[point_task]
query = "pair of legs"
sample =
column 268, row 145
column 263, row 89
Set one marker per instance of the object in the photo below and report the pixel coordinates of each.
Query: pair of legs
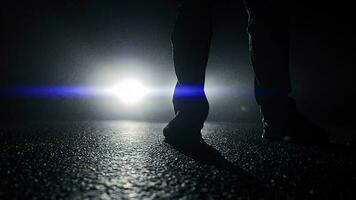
column 268, row 29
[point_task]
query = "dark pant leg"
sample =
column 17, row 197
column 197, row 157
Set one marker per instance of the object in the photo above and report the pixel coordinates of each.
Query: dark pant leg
column 269, row 26
column 191, row 42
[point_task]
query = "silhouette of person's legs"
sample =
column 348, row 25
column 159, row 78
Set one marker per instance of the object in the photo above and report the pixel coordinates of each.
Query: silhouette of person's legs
column 269, row 23
column 191, row 42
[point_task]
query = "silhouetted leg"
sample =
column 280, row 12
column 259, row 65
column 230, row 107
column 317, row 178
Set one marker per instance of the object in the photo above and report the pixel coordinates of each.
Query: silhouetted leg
column 269, row 23
column 191, row 42
column 269, row 46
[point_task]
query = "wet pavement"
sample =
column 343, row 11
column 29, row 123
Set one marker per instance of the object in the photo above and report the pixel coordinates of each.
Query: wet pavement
column 129, row 160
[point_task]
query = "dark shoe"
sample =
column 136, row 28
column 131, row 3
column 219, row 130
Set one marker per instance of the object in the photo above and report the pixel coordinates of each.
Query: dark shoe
column 297, row 129
column 183, row 130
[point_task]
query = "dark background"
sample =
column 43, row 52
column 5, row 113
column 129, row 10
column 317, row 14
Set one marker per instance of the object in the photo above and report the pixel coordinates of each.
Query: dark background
column 67, row 42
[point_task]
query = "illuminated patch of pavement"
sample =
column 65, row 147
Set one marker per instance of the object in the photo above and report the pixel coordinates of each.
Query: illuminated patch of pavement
column 121, row 160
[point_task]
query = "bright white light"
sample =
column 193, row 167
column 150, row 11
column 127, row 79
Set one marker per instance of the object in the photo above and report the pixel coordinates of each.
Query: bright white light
column 130, row 91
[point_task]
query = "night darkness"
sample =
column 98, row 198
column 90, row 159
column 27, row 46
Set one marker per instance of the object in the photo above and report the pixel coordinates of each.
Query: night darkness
column 77, row 42
column 86, row 89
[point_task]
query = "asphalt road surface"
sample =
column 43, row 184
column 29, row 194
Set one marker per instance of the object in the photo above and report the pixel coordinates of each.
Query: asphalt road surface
column 129, row 160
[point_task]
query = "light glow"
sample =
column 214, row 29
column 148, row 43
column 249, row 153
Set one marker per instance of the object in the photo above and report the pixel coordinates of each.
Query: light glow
column 130, row 91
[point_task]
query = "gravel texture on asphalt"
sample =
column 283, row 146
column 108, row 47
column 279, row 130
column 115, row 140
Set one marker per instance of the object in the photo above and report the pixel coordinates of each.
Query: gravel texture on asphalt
column 129, row 160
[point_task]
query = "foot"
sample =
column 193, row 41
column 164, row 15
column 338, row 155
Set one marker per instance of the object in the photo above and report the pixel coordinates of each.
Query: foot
column 182, row 131
column 297, row 129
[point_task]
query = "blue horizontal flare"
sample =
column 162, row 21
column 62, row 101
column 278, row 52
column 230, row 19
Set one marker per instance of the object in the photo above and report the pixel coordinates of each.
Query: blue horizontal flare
column 47, row 91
